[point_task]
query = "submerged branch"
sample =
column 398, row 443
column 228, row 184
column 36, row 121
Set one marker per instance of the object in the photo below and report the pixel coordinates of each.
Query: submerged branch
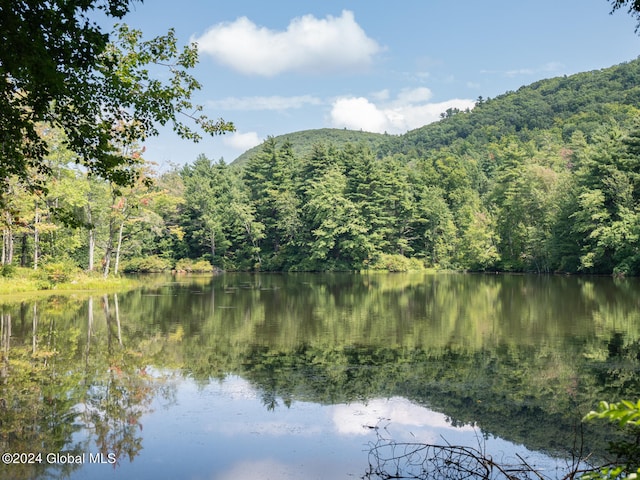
column 389, row 459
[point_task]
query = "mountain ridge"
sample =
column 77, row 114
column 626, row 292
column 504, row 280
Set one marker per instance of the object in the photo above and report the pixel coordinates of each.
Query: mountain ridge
column 538, row 105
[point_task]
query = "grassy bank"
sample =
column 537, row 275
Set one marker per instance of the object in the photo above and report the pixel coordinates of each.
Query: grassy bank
column 58, row 278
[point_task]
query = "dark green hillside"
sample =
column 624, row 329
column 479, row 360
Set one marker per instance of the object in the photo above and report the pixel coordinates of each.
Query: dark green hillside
column 577, row 102
column 573, row 102
column 302, row 142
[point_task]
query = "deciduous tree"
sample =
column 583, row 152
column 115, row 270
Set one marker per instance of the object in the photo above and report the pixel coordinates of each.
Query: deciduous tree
column 58, row 66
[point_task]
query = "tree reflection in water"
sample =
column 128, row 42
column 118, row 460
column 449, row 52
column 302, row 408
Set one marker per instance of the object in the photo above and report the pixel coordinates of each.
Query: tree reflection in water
column 53, row 403
column 519, row 357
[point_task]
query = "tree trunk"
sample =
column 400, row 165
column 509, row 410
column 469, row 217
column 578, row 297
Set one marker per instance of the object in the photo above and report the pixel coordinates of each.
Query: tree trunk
column 9, row 246
column 108, row 251
column 92, row 237
column 118, row 248
column 23, row 251
column 7, row 242
column 106, row 260
column 36, row 238
column 120, row 231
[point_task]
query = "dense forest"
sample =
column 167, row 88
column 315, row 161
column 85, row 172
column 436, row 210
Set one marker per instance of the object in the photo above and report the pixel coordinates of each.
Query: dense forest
column 544, row 179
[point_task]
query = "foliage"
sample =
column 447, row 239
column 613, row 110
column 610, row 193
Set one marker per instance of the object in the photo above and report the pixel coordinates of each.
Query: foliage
column 190, row 266
column 623, row 412
column 59, row 67
column 303, row 142
column 396, row 263
column 60, row 271
column 7, row 271
column 148, row 264
column 626, row 415
column 218, row 220
column 48, row 397
column 545, row 179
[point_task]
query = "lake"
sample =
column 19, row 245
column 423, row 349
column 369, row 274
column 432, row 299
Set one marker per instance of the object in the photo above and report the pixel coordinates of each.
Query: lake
column 312, row 376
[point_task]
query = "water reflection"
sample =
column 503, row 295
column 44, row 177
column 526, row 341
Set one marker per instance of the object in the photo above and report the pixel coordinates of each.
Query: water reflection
column 412, row 421
column 249, row 366
column 221, row 439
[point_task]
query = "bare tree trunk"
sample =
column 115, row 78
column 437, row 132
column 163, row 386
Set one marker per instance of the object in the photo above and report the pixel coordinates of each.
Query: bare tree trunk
column 106, row 260
column 92, row 237
column 108, row 251
column 10, row 247
column 7, row 244
column 118, row 248
column 36, row 238
column 92, row 248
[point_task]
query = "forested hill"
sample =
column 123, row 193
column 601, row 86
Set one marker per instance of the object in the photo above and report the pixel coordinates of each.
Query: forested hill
column 576, row 102
column 544, row 179
column 303, row 141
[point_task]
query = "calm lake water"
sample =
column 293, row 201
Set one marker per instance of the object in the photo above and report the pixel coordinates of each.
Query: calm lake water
column 298, row 376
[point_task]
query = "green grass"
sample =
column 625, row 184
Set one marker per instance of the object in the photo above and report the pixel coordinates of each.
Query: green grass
column 26, row 280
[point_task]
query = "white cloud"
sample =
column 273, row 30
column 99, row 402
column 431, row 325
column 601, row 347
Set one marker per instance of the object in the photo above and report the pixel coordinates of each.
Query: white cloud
column 408, row 110
column 550, row 67
column 381, row 95
column 413, row 116
column 358, row 113
column 275, row 102
column 520, row 71
column 242, row 141
column 546, row 68
column 413, row 95
column 356, row 418
column 309, row 45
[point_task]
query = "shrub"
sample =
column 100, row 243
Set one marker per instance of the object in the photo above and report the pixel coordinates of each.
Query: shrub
column 396, row 263
column 188, row 265
column 150, row 264
column 8, row 271
column 59, row 271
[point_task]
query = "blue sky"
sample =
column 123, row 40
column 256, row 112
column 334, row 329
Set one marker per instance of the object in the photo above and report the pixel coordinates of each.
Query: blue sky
column 278, row 67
